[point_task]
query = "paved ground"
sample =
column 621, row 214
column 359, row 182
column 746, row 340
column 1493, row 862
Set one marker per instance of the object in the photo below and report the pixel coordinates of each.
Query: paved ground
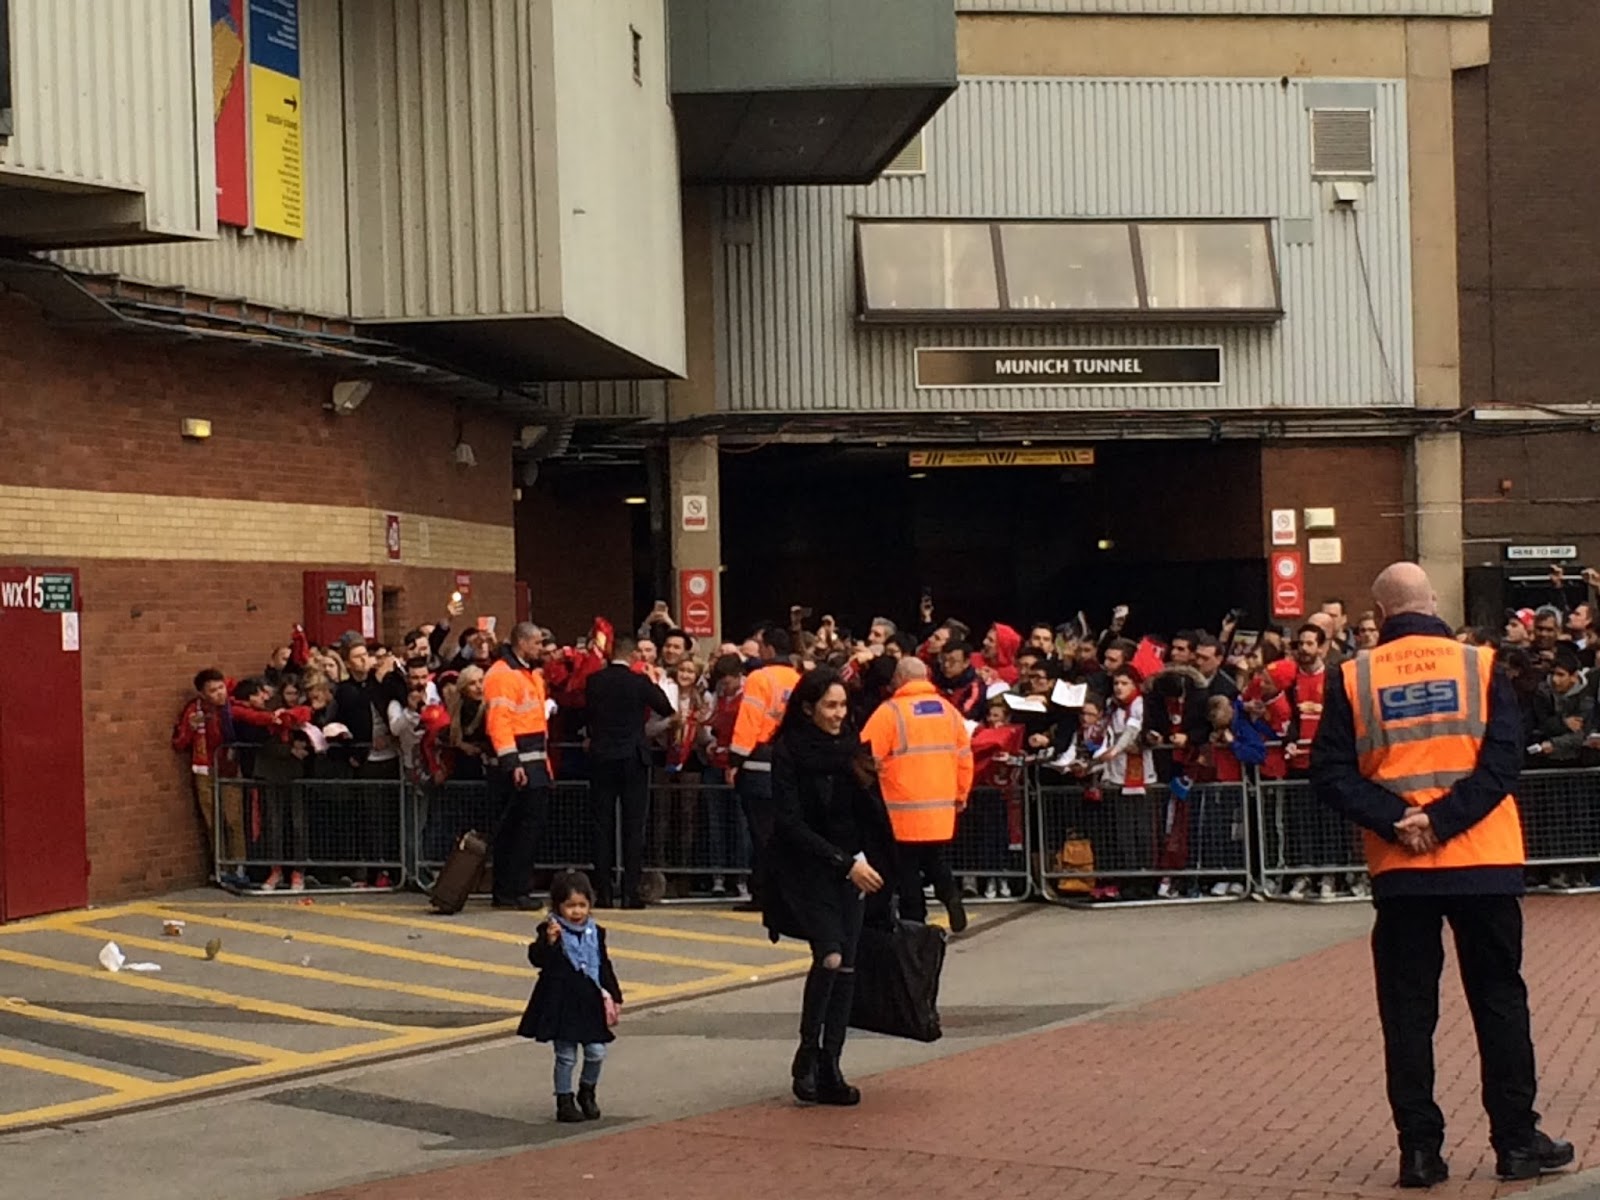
column 681, row 1058
column 300, row 986
column 1268, row 1085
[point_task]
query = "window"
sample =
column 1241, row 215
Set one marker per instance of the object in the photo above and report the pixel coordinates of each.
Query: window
column 1054, row 271
column 1205, row 266
column 1052, row 267
column 923, row 266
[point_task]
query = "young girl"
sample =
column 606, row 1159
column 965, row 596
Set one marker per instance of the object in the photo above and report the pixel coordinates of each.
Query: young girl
column 1128, row 772
column 997, row 788
column 576, row 999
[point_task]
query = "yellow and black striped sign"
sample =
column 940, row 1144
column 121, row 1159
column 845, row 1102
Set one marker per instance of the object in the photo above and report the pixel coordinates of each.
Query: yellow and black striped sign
column 1020, row 456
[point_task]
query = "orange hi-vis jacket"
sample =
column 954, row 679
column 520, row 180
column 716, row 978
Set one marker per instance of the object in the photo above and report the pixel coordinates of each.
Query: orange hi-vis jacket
column 766, row 699
column 1421, row 709
column 924, row 758
column 515, row 722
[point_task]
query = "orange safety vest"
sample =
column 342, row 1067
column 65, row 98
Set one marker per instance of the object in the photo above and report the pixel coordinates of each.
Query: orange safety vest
column 766, row 699
column 1421, row 708
column 924, row 758
column 514, row 719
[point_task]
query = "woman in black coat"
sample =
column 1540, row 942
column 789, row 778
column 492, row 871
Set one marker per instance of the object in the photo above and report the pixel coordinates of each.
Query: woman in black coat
column 826, row 815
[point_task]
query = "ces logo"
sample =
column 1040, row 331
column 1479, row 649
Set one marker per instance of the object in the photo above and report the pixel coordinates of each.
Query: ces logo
column 1408, row 701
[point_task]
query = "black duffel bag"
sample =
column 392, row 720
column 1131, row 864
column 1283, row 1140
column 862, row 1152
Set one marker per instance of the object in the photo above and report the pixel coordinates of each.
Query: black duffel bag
column 897, row 980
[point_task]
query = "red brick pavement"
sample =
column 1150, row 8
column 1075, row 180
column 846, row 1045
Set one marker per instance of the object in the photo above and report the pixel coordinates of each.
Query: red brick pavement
column 1266, row 1086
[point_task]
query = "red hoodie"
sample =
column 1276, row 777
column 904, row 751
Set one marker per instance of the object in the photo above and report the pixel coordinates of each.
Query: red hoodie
column 1007, row 641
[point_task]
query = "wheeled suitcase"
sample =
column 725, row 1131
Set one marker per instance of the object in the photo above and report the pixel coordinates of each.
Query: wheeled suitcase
column 460, row 873
column 897, row 980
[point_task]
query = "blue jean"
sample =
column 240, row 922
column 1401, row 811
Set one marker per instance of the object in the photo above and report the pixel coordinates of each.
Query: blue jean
column 594, row 1054
column 723, row 817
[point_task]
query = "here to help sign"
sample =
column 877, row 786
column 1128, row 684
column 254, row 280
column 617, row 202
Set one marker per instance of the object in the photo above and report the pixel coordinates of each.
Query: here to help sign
column 1288, row 583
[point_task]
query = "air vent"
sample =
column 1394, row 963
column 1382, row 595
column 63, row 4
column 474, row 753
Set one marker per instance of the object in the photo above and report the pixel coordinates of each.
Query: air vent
column 909, row 161
column 1341, row 143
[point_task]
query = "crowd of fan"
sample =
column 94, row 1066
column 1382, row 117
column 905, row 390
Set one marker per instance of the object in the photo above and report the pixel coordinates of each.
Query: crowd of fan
column 1098, row 710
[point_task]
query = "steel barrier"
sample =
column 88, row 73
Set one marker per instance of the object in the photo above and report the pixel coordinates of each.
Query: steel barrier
column 343, row 827
column 993, row 844
column 1560, row 811
column 1161, row 846
column 1308, row 851
column 443, row 812
column 697, row 843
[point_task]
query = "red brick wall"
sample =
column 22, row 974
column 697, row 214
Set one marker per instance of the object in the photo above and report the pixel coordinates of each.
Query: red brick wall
column 1364, row 483
column 101, row 412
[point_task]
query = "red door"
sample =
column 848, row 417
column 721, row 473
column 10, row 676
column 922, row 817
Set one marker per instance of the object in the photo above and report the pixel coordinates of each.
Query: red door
column 44, row 854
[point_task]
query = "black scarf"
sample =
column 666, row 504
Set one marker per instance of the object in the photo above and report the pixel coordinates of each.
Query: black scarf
column 814, row 750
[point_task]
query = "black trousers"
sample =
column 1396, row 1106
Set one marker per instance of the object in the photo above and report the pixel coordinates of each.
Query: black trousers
column 615, row 783
column 1408, row 955
column 755, row 796
column 918, row 863
column 830, row 990
column 516, row 843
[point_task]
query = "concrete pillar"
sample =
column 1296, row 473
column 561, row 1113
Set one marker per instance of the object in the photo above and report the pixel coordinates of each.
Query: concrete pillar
column 693, row 472
column 1435, row 487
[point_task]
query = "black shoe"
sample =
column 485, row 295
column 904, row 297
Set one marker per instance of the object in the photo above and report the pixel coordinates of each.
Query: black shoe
column 831, row 1087
column 567, row 1110
column 1544, row 1157
column 804, row 1071
column 1422, row 1169
column 958, row 911
column 633, row 902
column 589, row 1106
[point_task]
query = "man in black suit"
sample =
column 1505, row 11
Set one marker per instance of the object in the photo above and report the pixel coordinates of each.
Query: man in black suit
column 618, row 702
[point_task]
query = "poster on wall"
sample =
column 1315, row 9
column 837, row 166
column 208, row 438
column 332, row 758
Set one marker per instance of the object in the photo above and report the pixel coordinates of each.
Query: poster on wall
column 228, row 112
column 278, row 165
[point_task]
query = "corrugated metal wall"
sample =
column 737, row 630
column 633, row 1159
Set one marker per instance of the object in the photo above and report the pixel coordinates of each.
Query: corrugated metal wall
column 112, row 93
column 311, row 275
column 444, row 155
column 1246, row 8
column 634, row 400
column 787, row 337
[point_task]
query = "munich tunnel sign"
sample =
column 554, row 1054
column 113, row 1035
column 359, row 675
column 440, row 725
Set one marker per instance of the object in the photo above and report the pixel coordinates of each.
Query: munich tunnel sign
column 1069, row 456
column 1070, row 366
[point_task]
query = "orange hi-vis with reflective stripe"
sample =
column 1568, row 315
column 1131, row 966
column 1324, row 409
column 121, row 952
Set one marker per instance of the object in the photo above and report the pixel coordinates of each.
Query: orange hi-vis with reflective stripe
column 1421, row 709
column 924, row 758
column 515, row 721
column 766, row 698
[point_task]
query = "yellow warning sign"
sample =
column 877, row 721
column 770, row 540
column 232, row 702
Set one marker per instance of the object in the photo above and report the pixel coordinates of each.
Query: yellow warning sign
column 1021, row 456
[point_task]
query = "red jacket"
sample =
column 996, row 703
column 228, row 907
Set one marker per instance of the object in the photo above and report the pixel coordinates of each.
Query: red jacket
column 201, row 745
column 990, row 745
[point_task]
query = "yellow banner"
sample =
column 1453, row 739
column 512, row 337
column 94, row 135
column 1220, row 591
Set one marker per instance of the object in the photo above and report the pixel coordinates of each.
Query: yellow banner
column 1020, row 457
column 279, row 174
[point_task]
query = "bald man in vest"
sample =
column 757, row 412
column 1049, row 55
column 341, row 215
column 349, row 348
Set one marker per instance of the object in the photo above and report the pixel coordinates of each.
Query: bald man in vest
column 1421, row 745
column 923, row 754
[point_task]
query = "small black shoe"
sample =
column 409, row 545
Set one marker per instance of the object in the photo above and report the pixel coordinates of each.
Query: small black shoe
column 567, row 1110
column 1422, row 1169
column 587, row 1104
column 804, row 1071
column 1544, row 1157
column 831, row 1086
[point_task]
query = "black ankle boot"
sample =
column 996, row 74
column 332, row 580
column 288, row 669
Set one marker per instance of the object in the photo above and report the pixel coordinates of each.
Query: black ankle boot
column 804, row 1071
column 587, row 1104
column 831, row 1086
column 567, row 1110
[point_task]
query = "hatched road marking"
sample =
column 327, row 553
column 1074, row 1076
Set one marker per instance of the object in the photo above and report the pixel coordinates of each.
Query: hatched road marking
column 54, row 986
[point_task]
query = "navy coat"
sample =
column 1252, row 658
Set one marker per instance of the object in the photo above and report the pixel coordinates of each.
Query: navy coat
column 565, row 1005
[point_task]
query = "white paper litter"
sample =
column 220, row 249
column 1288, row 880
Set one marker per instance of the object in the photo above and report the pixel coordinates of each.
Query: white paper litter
column 113, row 959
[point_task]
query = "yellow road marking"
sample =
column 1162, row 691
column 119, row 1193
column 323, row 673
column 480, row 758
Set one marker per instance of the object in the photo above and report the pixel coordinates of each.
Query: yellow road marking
column 125, row 1085
column 56, row 920
column 686, row 935
column 294, row 970
column 151, row 1032
column 179, row 1088
column 293, row 1012
column 517, row 939
column 343, row 943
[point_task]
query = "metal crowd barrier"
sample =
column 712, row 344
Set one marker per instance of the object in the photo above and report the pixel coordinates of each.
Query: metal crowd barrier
column 697, row 843
column 1308, row 851
column 1560, row 811
column 442, row 813
column 344, row 825
column 1098, row 844
column 993, row 847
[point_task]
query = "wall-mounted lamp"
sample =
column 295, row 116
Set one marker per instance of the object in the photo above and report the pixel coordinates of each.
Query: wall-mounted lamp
column 636, row 501
column 196, row 428
column 348, row 395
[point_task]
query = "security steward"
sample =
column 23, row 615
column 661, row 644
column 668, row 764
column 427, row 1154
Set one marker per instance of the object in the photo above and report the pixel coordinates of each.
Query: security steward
column 923, row 754
column 519, row 778
column 1422, row 746
column 766, row 698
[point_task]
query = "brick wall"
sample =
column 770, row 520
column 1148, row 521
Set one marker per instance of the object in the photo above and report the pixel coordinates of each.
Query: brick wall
column 94, row 418
column 1554, row 496
column 1364, row 482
